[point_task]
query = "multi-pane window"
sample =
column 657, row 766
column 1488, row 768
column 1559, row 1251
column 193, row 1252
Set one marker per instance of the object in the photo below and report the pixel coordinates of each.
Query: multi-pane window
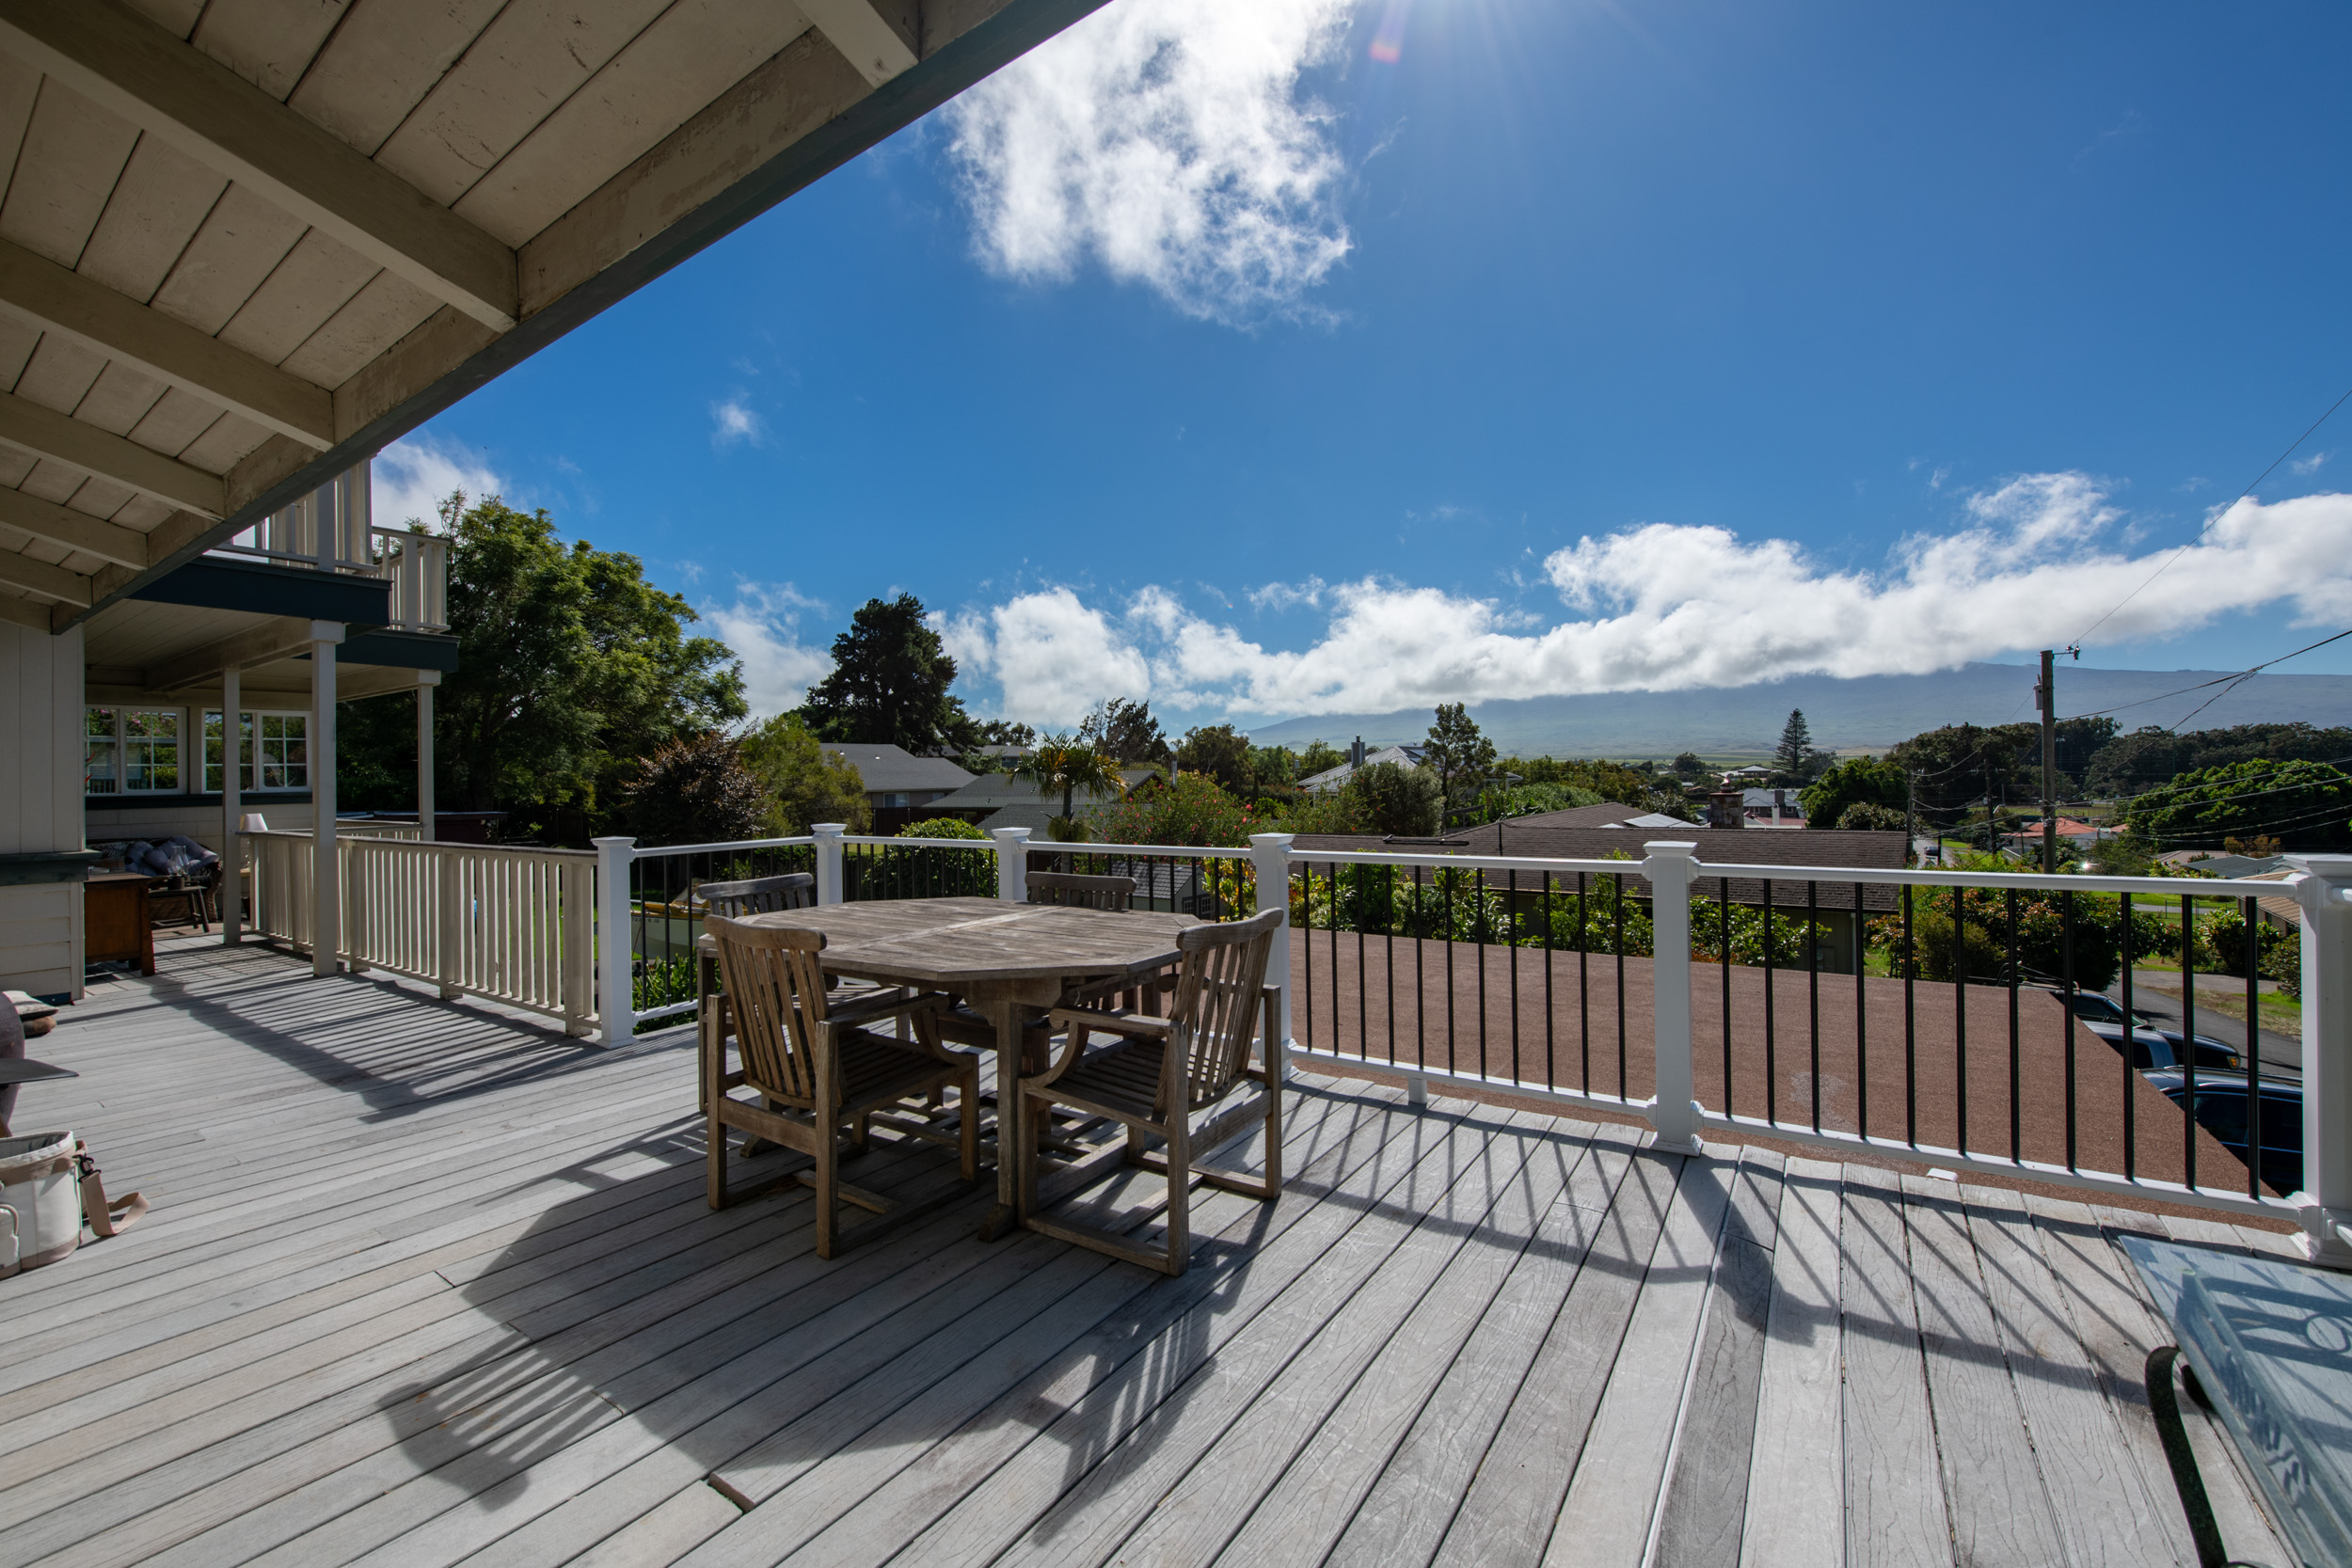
column 272, row 750
column 130, row 750
column 102, row 750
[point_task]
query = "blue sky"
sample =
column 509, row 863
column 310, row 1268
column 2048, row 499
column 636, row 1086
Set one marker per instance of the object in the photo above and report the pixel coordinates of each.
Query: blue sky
column 1581, row 346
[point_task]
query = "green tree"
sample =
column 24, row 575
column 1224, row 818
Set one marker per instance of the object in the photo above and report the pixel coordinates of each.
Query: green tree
column 2301, row 803
column 889, row 684
column 1688, row 765
column 1189, row 810
column 1127, row 730
column 1856, row 781
column 1319, row 758
column 571, row 669
column 1224, row 754
column 696, row 790
column 1070, row 764
column 803, row 784
column 1401, row 801
column 1796, row 744
column 1870, row 815
column 1460, row 756
column 1954, row 767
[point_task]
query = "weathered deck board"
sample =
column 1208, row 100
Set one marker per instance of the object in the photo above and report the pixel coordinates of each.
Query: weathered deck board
column 427, row 1285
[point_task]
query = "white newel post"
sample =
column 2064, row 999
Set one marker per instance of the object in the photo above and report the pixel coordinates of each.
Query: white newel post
column 1013, row 863
column 2325, row 891
column 1270, row 856
column 828, row 835
column 616, row 946
column 1674, row 1111
column 232, row 783
column 325, row 884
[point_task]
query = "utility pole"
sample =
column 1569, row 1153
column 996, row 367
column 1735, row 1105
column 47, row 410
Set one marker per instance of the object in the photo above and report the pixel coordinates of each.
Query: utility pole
column 2047, row 695
column 1992, row 815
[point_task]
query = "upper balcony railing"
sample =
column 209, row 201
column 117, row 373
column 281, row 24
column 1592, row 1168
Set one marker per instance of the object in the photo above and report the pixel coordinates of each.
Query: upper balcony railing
column 331, row 531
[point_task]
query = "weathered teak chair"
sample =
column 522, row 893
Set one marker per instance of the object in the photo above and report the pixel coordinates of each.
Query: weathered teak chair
column 1164, row 1072
column 795, row 889
column 820, row 1066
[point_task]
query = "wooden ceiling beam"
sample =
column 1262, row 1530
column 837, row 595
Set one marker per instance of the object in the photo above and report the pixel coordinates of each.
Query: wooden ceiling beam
column 39, row 576
column 122, row 61
column 878, row 37
column 49, row 298
column 281, row 636
column 79, row 530
column 46, row 432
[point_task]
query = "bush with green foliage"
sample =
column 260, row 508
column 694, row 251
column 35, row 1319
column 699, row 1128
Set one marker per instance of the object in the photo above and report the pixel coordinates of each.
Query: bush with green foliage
column 1222, row 753
column 921, row 871
column 2306, row 804
column 1527, row 800
column 1981, row 946
column 1871, row 817
column 1855, row 782
column 2277, row 953
column 1396, row 800
column 803, row 783
column 1189, row 809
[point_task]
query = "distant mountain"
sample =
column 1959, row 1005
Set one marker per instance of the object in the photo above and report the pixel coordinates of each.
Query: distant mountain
column 1872, row 710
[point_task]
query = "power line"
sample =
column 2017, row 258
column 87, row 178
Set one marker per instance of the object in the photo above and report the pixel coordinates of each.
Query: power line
column 2232, row 679
column 2215, row 517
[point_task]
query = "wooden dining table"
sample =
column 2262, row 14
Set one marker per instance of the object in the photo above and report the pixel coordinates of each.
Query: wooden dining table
column 1004, row 961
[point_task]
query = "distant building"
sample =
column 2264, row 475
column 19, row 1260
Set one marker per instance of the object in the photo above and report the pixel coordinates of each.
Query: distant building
column 1333, row 780
column 899, row 785
column 995, row 800
column 1771, row 808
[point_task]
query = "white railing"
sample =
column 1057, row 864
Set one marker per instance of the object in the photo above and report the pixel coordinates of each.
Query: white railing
column 512, row 926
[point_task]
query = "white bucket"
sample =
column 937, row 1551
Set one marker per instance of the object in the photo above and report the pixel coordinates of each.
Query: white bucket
column 38, row 1185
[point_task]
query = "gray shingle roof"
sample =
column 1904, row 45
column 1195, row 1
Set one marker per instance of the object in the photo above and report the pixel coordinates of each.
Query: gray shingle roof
column 893, row 768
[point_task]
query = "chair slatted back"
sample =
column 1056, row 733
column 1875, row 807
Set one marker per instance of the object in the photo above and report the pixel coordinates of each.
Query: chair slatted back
column 1090, row 893
column 776, row 987
column 1217, row 991
column 795, row 889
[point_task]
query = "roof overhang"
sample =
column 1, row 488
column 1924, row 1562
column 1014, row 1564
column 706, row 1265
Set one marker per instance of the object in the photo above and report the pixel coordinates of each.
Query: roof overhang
column 244, row 247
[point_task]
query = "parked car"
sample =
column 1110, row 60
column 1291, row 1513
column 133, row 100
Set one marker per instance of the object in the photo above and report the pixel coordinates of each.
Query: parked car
column 2168, row 1048
column 2093, row 1007
column 2221, row 1111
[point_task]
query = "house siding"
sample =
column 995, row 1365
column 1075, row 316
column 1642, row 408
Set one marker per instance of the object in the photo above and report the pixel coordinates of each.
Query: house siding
column 40, row 807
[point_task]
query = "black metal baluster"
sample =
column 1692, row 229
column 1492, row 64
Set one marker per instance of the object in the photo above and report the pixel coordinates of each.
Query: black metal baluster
column 1420, row 978
column 1389, row 942
column 1511, row 937
column 1772, row 1043
column 2188, row 1037
column 1911, row 1029
column 2250, row 912
column 1306, row 944
column 1812, row 989
column 1617, row 878
column 1552, row 1072
column 1960, row 1015
column 1446, row 883
column 1722, row 934
column 1363, row 1001
column 2066, row 954
column 1583, row 990
column 1478, row 892
column 2130, row 948
column 2016, row 1130
column 1861, row 1020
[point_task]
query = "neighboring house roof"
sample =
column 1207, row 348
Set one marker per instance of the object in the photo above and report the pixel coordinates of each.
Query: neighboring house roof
column 1822, row 846
column 995, row 791
column 1033, row 815
column 1753, row 771
column 2281, row 908
column 1754, row 800
column 1654, row 819
column 1332, row 778
column 891, row 770
column 1605, row 814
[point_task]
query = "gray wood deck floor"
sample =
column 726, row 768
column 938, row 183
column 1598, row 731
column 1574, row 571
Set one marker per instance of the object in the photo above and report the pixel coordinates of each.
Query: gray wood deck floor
column 426, row 1286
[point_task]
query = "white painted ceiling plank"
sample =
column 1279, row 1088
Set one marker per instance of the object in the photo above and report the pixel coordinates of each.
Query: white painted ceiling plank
column 118, row 400
column 74, row 152
column 242, row 240
column 693, row 53
column 382, row 62
column 154, row 212
column 44, row 432
column 64, row 526
column 267, row 43
column 378, row 316
column 174, row 424
column 301, row 295
column 19, row 89
column 172, row 89
column 39, row 576
column 64, row 303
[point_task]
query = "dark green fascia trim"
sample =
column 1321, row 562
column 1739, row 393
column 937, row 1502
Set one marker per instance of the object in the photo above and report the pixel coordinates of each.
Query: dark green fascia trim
column 251, row 799
column 1020, row 26
column 399, row 650
column 258, row 588
column 46, row 865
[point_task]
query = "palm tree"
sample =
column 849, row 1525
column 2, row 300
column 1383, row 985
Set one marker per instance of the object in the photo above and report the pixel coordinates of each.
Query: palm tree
column 1069, row 763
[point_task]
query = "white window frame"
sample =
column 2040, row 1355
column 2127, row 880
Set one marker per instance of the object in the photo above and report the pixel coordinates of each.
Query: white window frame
column 120, row 743
column 253, row 743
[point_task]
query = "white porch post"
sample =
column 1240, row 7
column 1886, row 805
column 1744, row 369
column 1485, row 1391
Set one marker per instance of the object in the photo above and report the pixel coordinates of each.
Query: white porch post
column 1674, row 1111
column 2325, row 893
column 231, row 785
column 828, row 836
column 426, row 680
column 1013, row 863
column 616, row 947
column 1270, row 856
column 325, row 885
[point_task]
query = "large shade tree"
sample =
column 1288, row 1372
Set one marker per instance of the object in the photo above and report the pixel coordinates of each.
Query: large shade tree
column 889, row 684
column 1458, row 754
column 2304, row 805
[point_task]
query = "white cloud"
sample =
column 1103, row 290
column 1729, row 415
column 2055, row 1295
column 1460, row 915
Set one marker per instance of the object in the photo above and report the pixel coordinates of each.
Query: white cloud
column 732, row 421
column 1663, row 607
column 2310, row 464
column 762, row 625
column 1289, row 596
column 410, row 478
column 1169, row 141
